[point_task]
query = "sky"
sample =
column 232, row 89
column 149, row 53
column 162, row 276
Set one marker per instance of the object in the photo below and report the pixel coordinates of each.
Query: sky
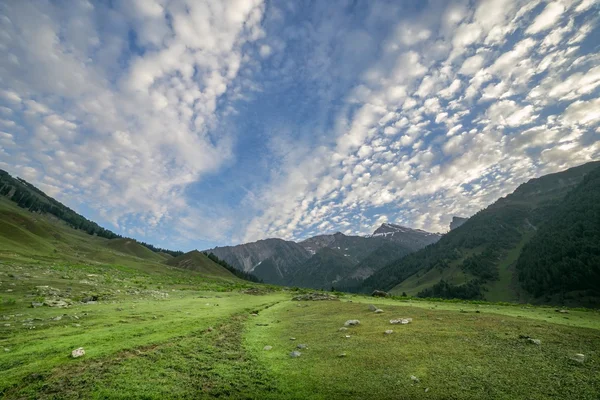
column 196, row 123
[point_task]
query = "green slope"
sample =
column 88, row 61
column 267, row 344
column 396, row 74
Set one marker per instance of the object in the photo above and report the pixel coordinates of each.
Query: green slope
column 131, row 247
column 484, row 250
column 198, row 262
column 323, row 269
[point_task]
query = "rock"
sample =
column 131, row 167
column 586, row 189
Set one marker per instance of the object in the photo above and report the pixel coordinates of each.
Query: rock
column 6, row 349
column 343, row 328
column 562, row 311
column 378, row 311
column 389, row 332
column 78, row 352
column 426, row 390
column 7, row 325
column 302, row 346
column 292, row 338
column 342, row 355
column 254, row 315
column 267, row 348
column 57, row 318
column 57, row 303
column 400, row 321
column 347, row 336
column 379, row 293
column 295, row 354
column 414, row 379
column 372, row 307
column 534, row 341
column 77, row 325
column 315, row 297
column 580, row 358
column 36, row 304
column 352, row 322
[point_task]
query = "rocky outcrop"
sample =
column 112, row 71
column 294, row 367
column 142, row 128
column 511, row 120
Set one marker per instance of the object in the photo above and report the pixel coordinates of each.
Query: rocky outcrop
column 457, row 221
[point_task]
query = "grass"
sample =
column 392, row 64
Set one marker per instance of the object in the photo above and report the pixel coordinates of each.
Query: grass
column 454, row 355
column 154, row 331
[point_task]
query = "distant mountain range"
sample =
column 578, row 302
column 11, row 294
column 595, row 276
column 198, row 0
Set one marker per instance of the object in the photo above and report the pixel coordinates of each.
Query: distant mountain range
column 324, row 261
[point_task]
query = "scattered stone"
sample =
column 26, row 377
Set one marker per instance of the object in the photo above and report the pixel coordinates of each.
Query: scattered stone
column 379, row 293
column 372, row 307
column 400, row 321
column 267, row 348
column 57, row 303
column 292, row 338
column 302, row 346
column 414, row 379
column 347, row 336
column 315, row 297
column 580, row 358
column 389, row 332
column 6, row 349
column 562, row 311
column 295, row 354
column 342, row 355
column 352, row 322
column 426, row 390
column 254, row 315
column 57, row 318
column 537, row 342
column 35, row 304
column 378, row 311
column 77, row 325
column 343, row 328
column 78, row 352
column 7, row 325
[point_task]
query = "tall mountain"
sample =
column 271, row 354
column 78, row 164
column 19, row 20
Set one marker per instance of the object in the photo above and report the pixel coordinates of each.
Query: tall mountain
column 413, row 239
column 283, row 262
column 457, row 221
column 279, row 257
column 479, row 258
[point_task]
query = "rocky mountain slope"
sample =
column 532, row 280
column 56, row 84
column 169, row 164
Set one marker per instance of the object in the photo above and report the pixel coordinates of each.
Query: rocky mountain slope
column 413, row 239
column 479, row 258
column 353, row 257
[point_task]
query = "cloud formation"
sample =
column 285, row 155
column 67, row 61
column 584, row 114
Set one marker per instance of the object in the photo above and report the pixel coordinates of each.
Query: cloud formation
column 195, row 123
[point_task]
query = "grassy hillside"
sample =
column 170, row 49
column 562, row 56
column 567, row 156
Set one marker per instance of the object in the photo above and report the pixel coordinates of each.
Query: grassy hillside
column 482, row 253
column 131, row 247
column 196, row 261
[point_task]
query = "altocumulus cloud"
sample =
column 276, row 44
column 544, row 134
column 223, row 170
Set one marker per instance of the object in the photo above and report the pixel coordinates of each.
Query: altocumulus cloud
column 193, row 123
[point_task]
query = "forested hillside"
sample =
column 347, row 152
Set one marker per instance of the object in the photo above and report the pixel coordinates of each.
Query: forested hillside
column 564, row 255
column 481, row 253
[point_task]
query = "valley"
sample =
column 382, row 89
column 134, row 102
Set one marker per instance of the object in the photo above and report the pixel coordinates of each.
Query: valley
column 155, row 323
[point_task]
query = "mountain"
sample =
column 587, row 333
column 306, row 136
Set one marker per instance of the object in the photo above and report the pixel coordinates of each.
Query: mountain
column 355, row 248
column 322, row 270
column 282, row 262
column 457, row 221
column 279, row 257
column 479, row 258
column 562, row 260
column 413, row 239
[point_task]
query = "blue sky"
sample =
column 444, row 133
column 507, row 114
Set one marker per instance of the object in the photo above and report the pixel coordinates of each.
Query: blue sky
column 190, row 124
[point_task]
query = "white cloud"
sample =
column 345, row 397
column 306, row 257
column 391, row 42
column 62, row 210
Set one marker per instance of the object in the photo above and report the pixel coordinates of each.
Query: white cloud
column 583, row 112
column 547, row 18
column 508, row 112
